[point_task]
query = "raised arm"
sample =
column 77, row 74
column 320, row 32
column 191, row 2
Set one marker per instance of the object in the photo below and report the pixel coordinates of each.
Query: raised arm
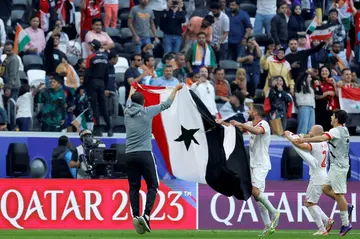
column 303, row 146
column 254, row 130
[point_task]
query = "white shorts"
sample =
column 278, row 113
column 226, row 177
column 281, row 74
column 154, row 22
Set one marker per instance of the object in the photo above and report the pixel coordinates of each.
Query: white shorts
column 337, row 180
column 258, row 176
column 313, row 192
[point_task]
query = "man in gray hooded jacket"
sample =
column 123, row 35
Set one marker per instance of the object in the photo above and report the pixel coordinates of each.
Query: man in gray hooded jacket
column 139, row 157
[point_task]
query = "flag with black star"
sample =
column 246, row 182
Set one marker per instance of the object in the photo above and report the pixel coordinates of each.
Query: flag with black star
column 194, row 147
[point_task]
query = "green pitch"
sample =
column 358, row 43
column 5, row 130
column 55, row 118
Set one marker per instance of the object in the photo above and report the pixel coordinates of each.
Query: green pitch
column 42, row 234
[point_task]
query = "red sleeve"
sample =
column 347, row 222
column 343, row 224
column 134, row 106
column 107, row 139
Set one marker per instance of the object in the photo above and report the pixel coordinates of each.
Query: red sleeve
column 310, row 146
column 328, row 135
column 260, row 126
column 88, row 60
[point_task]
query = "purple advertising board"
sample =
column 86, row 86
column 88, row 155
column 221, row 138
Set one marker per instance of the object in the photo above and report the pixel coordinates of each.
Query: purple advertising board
column 216, row 211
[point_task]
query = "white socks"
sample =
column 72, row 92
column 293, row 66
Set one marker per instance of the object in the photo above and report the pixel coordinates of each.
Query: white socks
column 267, row 204
column 264, row 214
column 344, row 218
column 323, row 216
column 315, row 213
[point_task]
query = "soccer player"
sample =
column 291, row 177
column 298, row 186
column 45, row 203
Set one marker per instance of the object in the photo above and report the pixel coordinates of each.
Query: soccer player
column 335, row 185
column 260, row 164
column 317, row 161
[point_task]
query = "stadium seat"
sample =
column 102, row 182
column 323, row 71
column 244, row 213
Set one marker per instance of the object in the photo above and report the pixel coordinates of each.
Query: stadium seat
column 32, row 62
column 126, row 35
column 84, row 50
column 130, row 47
column 119, row 48
column 123, row 15
column 21, row 66
column 122, row 99
column 229, row 66
column 120, row 76
column 291, row 164
column 249, row 8
column 262, row 39
column 16, row 17
column 123, row 4
column 114, row 34
column 35, row 77
column 230, row 77
column 20, row 4
column 23, row 77
column 122, row 65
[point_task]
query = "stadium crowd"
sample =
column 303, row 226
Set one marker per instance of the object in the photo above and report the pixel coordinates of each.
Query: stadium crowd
column 231, row 53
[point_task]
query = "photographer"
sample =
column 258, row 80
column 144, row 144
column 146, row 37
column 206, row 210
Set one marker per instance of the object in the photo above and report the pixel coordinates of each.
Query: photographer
column 171, row 24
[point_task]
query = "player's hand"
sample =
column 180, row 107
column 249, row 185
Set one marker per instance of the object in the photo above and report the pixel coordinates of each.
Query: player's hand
column 287, row 133
column 219, row 121
column 299, row 140
column 235, row 123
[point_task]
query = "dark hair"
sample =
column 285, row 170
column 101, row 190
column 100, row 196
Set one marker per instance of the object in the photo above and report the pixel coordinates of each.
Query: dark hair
column 259, row 109
column 334, row 10
column 192, row 74
column 210, row 19
column 282, row 3
column 235, row 1
column 293, row 39
column 201, row 33
column 34, row 16
column 168, row 66
column 63, row 140
column 336, row 43
column 137, row 98
column 9, row 43
column 215, row 5
column 147, row 57
column 320, row 77
column 345, row 69
column 341, row 116
column 285, row 87
column 218, row 69
column 25, row 88
column 132, row 58
column 302, row 84
column 95, row 20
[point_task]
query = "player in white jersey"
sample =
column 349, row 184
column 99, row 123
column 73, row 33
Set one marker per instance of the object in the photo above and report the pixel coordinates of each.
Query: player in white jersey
column 316, row 155
column 260, row 136
column 335, row 185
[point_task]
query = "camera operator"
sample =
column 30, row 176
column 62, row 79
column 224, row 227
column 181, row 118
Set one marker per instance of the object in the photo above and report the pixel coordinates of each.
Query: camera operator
column 63, row 152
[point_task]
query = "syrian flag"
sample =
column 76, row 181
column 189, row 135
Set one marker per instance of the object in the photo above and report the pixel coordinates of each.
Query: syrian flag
column 350, row 100
column 194, row 147
column 321, row 33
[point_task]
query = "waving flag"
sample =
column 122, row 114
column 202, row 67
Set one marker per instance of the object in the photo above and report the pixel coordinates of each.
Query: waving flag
column 350, row 100
column 313, row 25
column 321, row 33
column 21, row 39
column 197, row 149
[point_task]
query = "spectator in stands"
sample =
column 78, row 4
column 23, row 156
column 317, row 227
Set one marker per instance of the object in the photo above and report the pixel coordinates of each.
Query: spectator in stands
column 205, row 91
column 346, row 80
column 296, row 24
column 158, row 7
column 250, row 59
column 64, row 39
column 37, row 38
column 11, row 74
column 111, row 84
column 2, row 35
column 167, row 79
column 140, row 22
column 240, row 29
column 171, row 24
column 222, row 87
column 338, row 29
column 235, row 109
column 180, row 71
column 96, row 78
column 324, row 93
column 53, row 55
column 319, row 58
column 24, row 106
column 53, row 112
column 195, row 26
column 279, row 99
column 279, row 27
column 148, row 69
column 240, row 82
column 200, row 54
column 339, row 54
column 278, row 66
column 3, row 119
column 6, row 7
column 305, row 100
column 269, row 51
column 98, row 34
column 90, row 9
column 266, row 10
column 80, row 66
column 221, row 28
column 224, row 8
column 6, row 96
column 132, row 74
column 192, row 78
column 82, row 105
column 199, row 10
column 354, row 78
column 111, row 12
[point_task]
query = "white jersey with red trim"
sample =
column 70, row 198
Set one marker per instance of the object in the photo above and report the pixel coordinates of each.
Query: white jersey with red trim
column 259, row 147
column 339, row 141
column 320, row 152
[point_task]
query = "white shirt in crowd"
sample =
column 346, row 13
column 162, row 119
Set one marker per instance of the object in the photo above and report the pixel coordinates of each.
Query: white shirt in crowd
column 157, row 5
column 2, row 32
column 320, row 152
column 24, row 106
column 206, row 92
column 266, row 7
column 220, row 26
column 259, row 147
column 339, row 147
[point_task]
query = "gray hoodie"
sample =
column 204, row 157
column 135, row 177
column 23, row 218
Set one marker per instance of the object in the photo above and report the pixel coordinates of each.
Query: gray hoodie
column 138, row 124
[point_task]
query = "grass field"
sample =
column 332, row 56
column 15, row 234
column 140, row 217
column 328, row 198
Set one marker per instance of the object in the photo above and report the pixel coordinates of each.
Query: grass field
column 36, row 234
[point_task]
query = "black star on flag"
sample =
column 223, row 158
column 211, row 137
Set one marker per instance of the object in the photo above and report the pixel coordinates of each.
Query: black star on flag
column 187, row 135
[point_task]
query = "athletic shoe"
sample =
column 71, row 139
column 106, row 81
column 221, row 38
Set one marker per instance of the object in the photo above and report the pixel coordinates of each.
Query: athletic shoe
column 329, row 225
column 275, row 220
column 321, row 233
column 350, row 209
column 139, row 229
column 345, row 229
column 267, row 232
column 145, row 223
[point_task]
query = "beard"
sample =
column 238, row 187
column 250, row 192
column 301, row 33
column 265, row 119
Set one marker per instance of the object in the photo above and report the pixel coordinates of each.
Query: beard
column 217, row 15
column 250, row 118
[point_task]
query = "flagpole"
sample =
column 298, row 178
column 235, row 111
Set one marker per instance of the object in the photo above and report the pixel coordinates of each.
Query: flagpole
column 80, row 114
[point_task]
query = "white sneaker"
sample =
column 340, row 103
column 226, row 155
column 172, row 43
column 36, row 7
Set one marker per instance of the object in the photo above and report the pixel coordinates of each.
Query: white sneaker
column 321, row 233
column 139, row 229
column 275, row 219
